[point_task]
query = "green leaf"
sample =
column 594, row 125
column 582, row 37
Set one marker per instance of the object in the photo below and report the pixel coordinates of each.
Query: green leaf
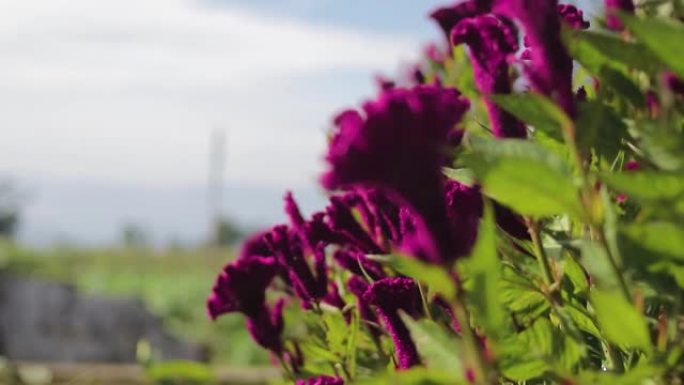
column 596, row 51
column 647, row 186
column 535, row 110
column 416, row 376
column 576, row 275
column 485, row 274
column 663, row 238
column 438, row 349
column 461, row 175
column 524, row 176
column 621, row 323
column 436, row 277
column 663, row 37
column 599, row 128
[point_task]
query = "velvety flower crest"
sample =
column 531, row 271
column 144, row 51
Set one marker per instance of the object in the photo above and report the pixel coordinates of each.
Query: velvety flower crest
column 390, row 296
column 448, row 17
column 550, row 68
column 370, row 150
column 612, row 20
column 241, row 287
column 573, row 16
column 492, row 41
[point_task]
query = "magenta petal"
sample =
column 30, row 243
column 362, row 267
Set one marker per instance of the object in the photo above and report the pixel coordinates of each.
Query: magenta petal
column 389, row 296
column 492, row 41
column 241, row 287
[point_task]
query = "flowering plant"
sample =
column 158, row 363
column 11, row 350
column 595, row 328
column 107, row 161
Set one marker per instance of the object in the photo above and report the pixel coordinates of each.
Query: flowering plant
column 511, row 214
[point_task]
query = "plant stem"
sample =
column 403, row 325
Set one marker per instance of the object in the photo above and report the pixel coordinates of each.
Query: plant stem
column 539, row 252
column 473, row 349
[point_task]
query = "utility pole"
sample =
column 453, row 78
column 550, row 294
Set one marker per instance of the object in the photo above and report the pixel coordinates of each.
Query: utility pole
column 217, row 161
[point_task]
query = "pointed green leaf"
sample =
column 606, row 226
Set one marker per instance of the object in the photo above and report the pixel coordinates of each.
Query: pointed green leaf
column 535, row 110
column 663, row 37
column 621, row 323
column 524, row 176
column 438, row 348
column 663, row 238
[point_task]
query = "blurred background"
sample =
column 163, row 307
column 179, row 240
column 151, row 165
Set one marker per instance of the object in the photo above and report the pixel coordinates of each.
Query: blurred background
column 142, row 139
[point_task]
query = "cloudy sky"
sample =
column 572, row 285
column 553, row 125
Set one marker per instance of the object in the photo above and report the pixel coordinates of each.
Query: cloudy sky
column 107, row 106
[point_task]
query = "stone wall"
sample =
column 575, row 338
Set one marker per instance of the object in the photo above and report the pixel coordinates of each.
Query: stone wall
column 52, row 322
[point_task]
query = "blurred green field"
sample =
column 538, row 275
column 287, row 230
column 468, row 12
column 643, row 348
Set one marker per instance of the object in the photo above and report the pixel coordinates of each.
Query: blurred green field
column 174, row 284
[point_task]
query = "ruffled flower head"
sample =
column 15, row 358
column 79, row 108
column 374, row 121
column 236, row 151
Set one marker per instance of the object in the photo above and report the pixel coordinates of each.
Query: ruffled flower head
column 673, row 83
column 241, row 287
column 448, row 17
column 464, row 209
column 550, row 68
column 492, row 41
column 573, row 16
column 266, row 327
column 612, row 20
column 390, row 296
column 398, row 145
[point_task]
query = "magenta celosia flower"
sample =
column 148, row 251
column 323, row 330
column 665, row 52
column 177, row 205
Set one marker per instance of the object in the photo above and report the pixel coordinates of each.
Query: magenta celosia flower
column 390, row 296
column 241, row 287
column 674, row 83
column 492, row 40
column 612, row 20
column 289, row 252
column 315, row 233
column 449, row 17
column 333, row 297
column 550, row 68
column 322, row 380
column 397, row 145
column 358, row 286
column 379, row 213
column 464, row 209
column 266, row 327
column 357, row 263
column 510, row 222
column 254, row 245
column 342, row 221
column 652, row 103
column 573, row 16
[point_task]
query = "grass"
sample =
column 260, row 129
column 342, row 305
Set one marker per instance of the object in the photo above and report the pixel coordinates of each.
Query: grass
column 174, row 284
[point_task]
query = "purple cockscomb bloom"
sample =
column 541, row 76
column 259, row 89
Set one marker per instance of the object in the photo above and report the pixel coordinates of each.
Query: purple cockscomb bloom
column 358, row 286
column 266, row 327
column 492, row 41
column 464, row 209
column 255, row 245
column 550, row 68
column 573, row 16
column 673, row 83
column 315, row 232
column 357, row 263
column 343, row 223
column 333, row 298
column 289, row 252
column 241, row 287
column 448, row 17
column 397, row 145
column 322, row 380
column 390, row 296
column 612, row 20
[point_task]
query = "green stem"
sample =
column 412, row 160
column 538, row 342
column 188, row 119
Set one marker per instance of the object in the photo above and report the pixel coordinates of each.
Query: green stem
column 539, row 252
column 474, row 351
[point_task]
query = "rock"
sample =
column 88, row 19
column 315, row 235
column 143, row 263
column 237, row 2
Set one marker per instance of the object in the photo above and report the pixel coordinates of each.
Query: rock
column 52, row 322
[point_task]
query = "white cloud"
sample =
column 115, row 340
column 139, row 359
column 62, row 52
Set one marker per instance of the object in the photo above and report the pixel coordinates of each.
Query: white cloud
column 128, row 90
